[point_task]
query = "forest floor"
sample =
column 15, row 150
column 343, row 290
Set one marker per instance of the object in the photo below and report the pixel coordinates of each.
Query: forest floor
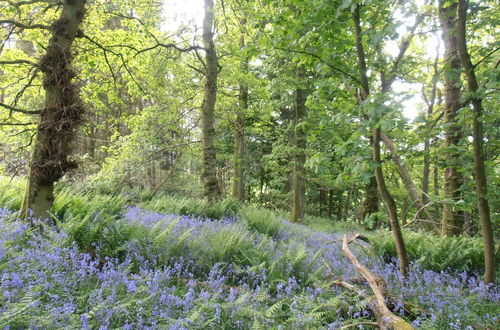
column 133, row 268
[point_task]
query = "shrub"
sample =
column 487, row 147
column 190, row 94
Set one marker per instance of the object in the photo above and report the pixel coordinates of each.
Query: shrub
column 192, row 206
column 11, row 192
column 434, row 252
column 261, row 220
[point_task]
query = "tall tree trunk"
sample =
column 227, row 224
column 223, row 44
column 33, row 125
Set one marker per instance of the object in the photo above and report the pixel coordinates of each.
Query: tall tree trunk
column 209, row 175
column 239, row 134
column 427, row 144
column 477, row 125
column 61, row 115
column 299, row 189
column 453, row 179
column 371, row 200
column 387, row 81
column 389, row 203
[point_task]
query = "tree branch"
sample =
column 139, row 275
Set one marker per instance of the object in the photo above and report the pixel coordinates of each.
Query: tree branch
column 27, row 112
column 301, row 51
column 24, row 26
column 14, row 62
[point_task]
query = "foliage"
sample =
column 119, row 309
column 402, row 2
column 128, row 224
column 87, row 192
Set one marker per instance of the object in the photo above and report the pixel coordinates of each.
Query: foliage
column 434, row 252
column 192, row 206
column 49, row 283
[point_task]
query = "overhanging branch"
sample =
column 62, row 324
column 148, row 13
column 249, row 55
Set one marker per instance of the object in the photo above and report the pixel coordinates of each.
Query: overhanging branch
column 26, row 112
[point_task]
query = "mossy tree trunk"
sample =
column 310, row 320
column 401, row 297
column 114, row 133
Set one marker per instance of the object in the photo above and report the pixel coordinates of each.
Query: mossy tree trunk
column 61, row 115
column 210, row 183
column 299, row 175
column 453, row 218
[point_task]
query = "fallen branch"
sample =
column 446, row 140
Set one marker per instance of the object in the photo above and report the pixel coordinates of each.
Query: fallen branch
column 385, row 318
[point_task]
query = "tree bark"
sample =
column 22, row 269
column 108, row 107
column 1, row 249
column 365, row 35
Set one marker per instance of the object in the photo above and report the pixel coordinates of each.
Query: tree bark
column 453, row 219
column 61, row 115
column 299, row 190
column 477, row 126
column 210, row 183
column 239, row 134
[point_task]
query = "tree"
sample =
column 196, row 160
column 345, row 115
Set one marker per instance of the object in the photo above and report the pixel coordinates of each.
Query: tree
column 480, row 172
column 209, row 175
column 62, row 112
column 239, row 131
column 453, row 217
column 299, row 158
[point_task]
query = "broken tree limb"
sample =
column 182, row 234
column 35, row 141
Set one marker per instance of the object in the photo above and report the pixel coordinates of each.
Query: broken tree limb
column 385, row 318
column 406, row 177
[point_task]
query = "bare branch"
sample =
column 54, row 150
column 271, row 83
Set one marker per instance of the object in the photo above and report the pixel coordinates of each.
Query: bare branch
column 16, row 124
column 27, row 112
column 24, row 26
column 18, row 4
column 331, row 66
column 14, row 62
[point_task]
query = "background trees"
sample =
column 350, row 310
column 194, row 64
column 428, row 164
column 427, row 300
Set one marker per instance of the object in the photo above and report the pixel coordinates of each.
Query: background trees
column 303, row 107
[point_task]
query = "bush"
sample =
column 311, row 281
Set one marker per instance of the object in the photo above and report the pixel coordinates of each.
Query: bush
column 11, row 192
column 433, row 252
column 261, row 220
column 192, row 206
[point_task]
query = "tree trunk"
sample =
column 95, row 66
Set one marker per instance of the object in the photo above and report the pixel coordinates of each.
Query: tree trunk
column 453, row 178
column 345, row 211
column 427, row 145
column 387, row 81
column 323, row 201
column 436, row 189
column 299, row 191
column 477, row 125
column 61, row 115
column 239, row 134
column 389, row 203
column 371, row 200
column 209, row 175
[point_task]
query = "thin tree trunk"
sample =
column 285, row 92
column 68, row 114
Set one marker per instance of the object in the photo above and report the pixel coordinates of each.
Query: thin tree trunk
column 345, row 211
column 387, row 81
column 389, row 203
column 299, row 190
column 239, row 134
column 453, row 179
column 330, row 203
column 427, row 145
column 323, row 201
column 340, row 207
column 211, row 187
column 480, row 173
column 61, row 115
column 436, row 190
